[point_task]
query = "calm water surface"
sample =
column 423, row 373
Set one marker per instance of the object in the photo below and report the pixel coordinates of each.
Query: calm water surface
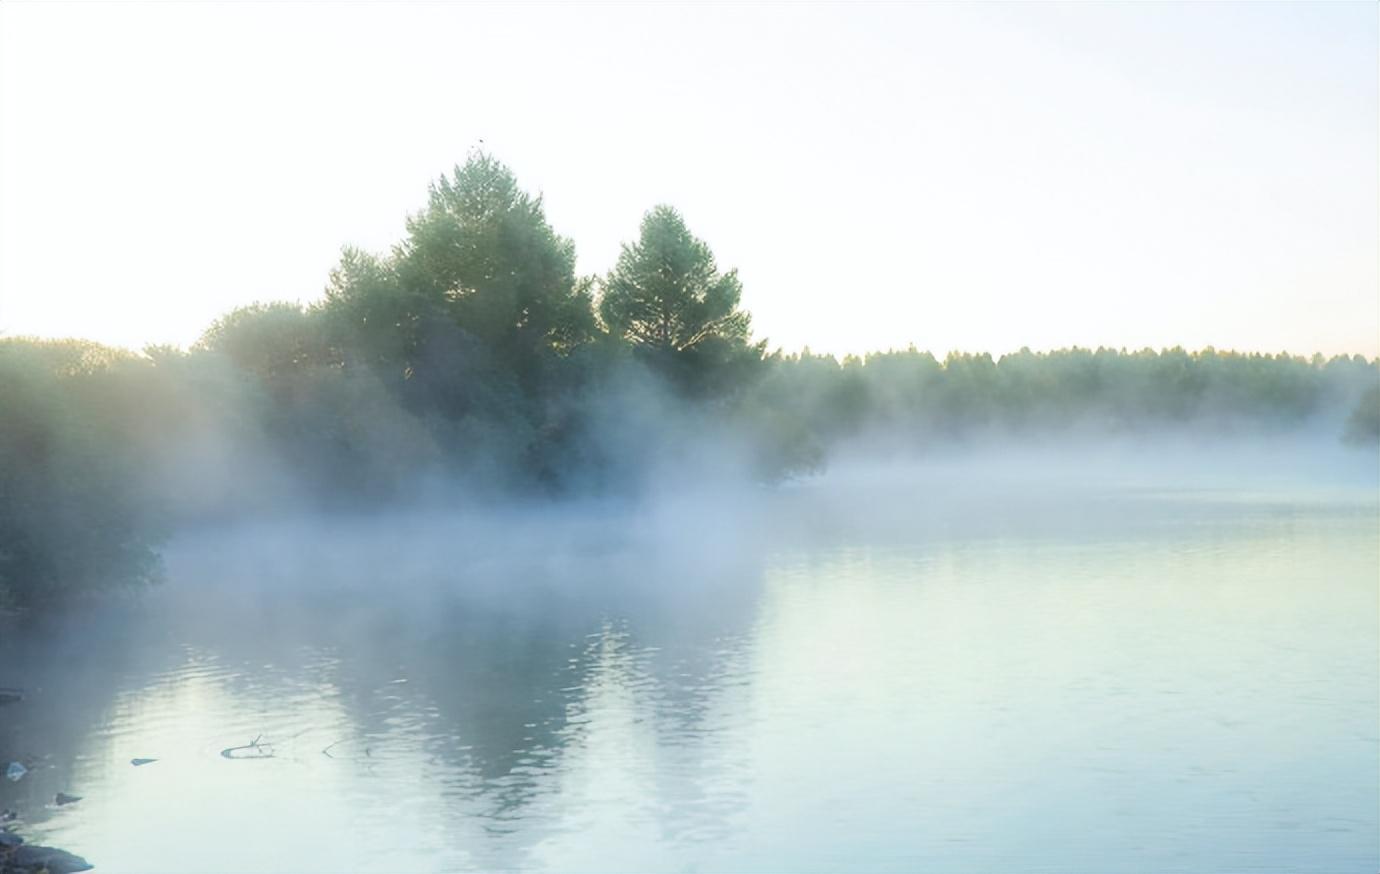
column 1135, row 682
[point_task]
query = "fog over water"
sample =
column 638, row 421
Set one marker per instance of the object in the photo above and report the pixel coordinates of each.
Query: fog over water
column 514, row 535
column 1089, row 660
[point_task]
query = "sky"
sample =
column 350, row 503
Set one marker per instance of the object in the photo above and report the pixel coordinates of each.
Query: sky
column 972, row 177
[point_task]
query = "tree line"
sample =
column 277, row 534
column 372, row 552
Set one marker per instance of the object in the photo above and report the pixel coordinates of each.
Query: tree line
column 472, row 357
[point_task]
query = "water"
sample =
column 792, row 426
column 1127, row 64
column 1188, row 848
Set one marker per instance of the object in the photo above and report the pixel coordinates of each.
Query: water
column 1124, row 682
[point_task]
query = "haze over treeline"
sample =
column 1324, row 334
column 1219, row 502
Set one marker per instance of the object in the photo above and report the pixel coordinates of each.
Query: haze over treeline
column 472, row 363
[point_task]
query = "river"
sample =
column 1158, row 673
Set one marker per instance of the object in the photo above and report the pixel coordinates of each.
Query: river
column 1134, row 680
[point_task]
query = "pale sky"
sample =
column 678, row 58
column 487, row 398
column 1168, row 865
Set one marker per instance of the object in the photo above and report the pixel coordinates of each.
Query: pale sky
column 978, row 177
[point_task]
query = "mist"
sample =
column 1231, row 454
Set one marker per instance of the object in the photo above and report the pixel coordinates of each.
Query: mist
column 479, row 564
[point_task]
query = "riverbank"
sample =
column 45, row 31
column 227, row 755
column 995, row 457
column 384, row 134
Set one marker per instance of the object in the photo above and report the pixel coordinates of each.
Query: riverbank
column 17, row 857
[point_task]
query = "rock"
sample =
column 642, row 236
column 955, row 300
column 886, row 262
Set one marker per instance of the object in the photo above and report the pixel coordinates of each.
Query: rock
column 9, row 840
column 10, row 696
column 31, row 858
column 64, row 798
column 16, row 771
column 137, row 762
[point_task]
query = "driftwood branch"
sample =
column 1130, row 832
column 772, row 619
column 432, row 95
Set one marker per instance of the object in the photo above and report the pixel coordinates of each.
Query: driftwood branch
column 256, row 749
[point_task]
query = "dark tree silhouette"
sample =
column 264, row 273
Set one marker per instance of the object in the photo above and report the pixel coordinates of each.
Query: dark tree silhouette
column 667, row 294
column 470, row 356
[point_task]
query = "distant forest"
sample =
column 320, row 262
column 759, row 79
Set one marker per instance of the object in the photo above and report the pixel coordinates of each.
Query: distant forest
column 472, row 362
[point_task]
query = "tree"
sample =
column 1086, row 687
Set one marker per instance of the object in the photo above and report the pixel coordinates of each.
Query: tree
column 1363, row 425
column 482, row 249
column 370, row 316
column 666, row 293
column 73, row 514
column 270, row 340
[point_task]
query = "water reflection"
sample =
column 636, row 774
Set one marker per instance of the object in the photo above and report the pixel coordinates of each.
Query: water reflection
column 1179, row 689
column 450, row 731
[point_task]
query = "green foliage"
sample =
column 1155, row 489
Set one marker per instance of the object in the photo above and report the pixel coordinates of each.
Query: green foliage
column 70, row 519
column 470, row 357
column 667, row 297
column 483, row 252
column 270, row 340
column 372, row 318
column 912, row 397
column 1363, row 425
column 667, row 294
